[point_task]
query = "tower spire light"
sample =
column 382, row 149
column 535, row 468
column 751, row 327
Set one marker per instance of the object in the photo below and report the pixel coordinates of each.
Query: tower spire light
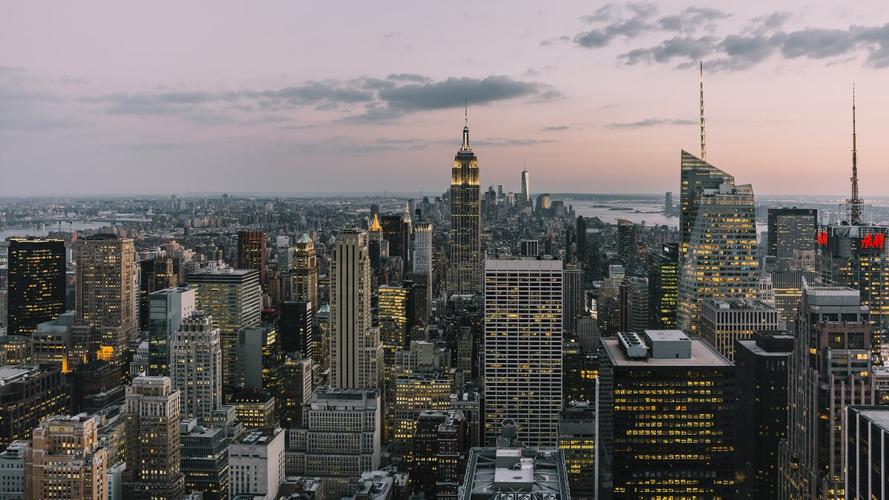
column 703, row 136
column 465, row 146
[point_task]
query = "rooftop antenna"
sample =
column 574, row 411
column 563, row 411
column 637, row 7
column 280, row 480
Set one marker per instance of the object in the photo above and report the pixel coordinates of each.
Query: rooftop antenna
column 703, row 136
column 854, row 202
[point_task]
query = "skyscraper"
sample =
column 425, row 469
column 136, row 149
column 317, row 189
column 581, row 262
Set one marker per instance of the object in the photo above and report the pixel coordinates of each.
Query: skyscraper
column 107, row 295
column 355, row 348
column 728, row 320
column 668, row 416
column 27, row 395
column 572, row 300
column 626, row 244
column 634, row 304
column 166, row 310
column 393, row 318
column 232, row 297
column 197, row 366
column 791, row 236
column 523, row 347
column 256, row 463
column 152, row 435
column 867, row 431
column 296, row 330
column 721, row 260
column 35, row 284
column 696, row 177
column 663, row 287
column 251, row 252
column 526, row 188
column 205, row 459
column 304, row 276
column 465, row 265
column 830, row 369
column 423, row 268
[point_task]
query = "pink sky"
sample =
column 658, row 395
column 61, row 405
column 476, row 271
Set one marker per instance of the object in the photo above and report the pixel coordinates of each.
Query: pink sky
column 102, row 97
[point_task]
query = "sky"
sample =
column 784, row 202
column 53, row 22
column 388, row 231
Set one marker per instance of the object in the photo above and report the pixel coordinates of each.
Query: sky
column 281, row 96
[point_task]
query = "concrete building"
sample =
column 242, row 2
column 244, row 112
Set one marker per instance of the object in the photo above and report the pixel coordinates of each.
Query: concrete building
column 494, row 473
column 12, row 471
column 28, row 394
column 65, row 460
column 523, row 347
column 727, row 320
column 256, row 463
column 197, row 366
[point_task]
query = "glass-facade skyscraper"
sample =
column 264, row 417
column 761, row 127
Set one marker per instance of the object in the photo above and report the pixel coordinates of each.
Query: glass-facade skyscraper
column 36, row 283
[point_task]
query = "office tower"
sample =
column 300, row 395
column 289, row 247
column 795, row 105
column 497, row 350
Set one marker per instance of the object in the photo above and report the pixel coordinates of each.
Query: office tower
column 28, row 394
column 588, row 334
column 423, row 269
column 255, row 408
column 761, row 369
column 205, row 464
column 411, row 395
column 643, row 377
column 153, row 450
column 35, row 284
column 232, row 297
column 696, row 178
column 106, row 295
column 166, row 310
column 65, row 460
column 529, row 248
column 668, row 204
column 259, row 359
column 256, row 463
column 830, row 368
column 626, row 243
column 725, row 321
column 544, row 202
column 663, row 287
column 340, row 437
column 526, row 188
column 867, row 431
column 155, row 273
column 394, row 232
column 304, row 275
column 788, row 288
column 579, row 442
column 572, row 299
column 439, row 450
column 251, row 252
column 855, row 257
column 513, row 472
column 355, row 348
column 52, row 342
column 721, row 259
column 634, row 304
column 791, row 236
column 523, row 347
column 12, row 470
column 377, row 247
column 294, row 391
column 393, row 319
column 464, row 240
column 580, row 231
column 197, row 366
column 296, row 327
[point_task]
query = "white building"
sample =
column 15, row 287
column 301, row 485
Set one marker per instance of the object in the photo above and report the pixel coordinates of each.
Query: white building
column 523, row 348
column 256, row 463
column 197, row 366
column 12, row 471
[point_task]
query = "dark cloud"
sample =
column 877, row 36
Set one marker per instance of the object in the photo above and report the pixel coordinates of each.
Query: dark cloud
column 363, row 99
column 650, row 122
column 556, row 128
column 633, row 25
column 691, row 19
column 770, row 23
column 680, row 47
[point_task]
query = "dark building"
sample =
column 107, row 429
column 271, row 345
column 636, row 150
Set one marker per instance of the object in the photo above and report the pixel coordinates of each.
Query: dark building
column 867, row 432
column 294, row 391
column 205, row 459
column 578, row 440
column 761, row 369
column 395, row 232
column 580, row 234
column 36, row 283
column 28, row 394
column 626, row 244
column 791, row 232
column 96, row 385
column 663, row 287
column 251, row 252
column 439, row 454
column 154, row 274
column 295, row 328
column 667, row 416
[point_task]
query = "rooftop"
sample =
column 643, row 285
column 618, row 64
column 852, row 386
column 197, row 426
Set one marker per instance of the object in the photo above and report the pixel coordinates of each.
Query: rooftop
column 738, row 304
column 532, row 473
column 701, row 355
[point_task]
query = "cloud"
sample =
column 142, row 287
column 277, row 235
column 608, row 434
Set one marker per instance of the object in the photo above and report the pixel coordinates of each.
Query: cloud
column 556, row 128
column 681, row 47
column 361, row 99
column 691, row 19
column 633, row 25
column 650, row 122
column 504, row 142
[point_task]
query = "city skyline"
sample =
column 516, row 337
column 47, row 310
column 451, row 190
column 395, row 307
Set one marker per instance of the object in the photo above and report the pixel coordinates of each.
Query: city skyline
column 597, row 96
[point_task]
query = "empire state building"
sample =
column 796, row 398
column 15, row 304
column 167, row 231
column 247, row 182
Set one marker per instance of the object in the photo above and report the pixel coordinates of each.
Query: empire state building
column 465, row 268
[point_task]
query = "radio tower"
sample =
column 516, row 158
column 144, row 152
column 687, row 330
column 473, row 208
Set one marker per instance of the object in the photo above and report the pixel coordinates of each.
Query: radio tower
column 854, row 202
column 703, row 137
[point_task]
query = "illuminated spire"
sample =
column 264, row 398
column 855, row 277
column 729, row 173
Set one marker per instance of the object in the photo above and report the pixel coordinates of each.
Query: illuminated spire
column 703, row 136
column 854, row 202
column 465, row 146
column 375, row 225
